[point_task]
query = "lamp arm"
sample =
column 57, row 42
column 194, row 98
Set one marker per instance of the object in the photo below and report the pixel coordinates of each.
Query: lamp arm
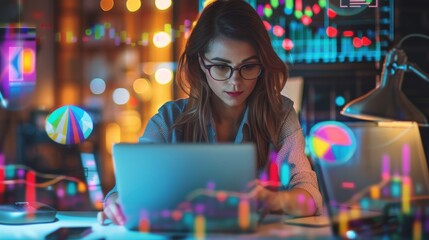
column 411, row 67
column 416, row 69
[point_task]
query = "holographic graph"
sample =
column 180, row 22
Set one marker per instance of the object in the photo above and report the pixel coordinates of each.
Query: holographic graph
column 67, row 190
column 331, row 142
column 277, row 172
column 394, row 185
column 12, row 176
column 204, row 209
column 209, row 208
column 389, row 167
column 304, row 31
column 320, row 32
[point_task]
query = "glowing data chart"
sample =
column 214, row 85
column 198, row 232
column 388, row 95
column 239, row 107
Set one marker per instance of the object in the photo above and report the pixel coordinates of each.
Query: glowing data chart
column 69, row 125
column 323, row 31
column 331, row 142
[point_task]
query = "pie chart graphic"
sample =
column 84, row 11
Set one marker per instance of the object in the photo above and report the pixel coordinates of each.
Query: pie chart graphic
column 69, row 125
column 331, row 142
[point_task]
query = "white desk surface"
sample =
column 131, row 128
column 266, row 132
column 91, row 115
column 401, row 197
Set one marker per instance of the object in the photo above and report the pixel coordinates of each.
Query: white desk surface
column 272, row 227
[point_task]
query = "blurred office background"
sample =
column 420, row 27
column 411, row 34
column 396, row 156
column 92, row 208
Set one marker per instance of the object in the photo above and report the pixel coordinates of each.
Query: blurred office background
column 116, row 59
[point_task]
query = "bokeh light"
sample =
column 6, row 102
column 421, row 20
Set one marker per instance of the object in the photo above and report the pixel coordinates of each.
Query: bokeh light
column 148, row 68
column 121, row 96
column 130, row 121
column 340, row 101
column 162, row 4
column 113, row 135
column 133, row 5
column 278, row 30
column 97, row 86
column 28, row 60
column 288, row 44
column 106, row 5
column 163, row 75
column 161, row 39
column 143, row 87
column 331, row 31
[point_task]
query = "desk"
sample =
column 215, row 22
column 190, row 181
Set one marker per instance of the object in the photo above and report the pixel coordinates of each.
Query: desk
column 271, row 228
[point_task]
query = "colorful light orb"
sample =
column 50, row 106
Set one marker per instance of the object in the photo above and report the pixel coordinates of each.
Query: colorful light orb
column 69, row 125
column 331, row 142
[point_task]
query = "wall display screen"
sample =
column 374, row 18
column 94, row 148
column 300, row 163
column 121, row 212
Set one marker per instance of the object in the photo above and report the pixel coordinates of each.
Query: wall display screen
column 327, row 31
column 17, row 66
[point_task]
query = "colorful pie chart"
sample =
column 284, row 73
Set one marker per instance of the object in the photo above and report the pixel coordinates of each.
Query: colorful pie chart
column 69, row 125
column 331, row 142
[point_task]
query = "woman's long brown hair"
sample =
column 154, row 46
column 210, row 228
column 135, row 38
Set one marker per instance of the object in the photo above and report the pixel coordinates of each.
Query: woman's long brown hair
column 237, row 20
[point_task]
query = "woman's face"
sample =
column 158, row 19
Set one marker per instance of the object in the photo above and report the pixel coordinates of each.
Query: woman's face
column 224, row 52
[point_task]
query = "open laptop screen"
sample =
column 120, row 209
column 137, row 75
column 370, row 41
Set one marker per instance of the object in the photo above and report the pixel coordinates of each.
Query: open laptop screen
column 186, row 187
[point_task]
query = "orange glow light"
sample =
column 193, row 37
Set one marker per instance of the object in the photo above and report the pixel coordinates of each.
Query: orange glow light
column 29, row 61
column 106, row 5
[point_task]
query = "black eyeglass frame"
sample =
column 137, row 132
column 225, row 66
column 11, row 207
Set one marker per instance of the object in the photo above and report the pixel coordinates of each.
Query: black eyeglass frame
column 232, row 69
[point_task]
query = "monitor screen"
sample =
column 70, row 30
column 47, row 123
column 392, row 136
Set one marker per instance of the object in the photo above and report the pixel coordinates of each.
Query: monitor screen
column 327, row 31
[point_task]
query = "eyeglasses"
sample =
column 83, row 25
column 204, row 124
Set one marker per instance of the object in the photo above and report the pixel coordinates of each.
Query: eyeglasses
column 223, row 72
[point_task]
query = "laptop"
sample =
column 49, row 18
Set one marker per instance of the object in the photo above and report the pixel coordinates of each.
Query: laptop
column 374, row 176
column 186, row 187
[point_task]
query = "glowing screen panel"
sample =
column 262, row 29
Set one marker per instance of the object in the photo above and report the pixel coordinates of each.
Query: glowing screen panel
column 331, row 142
column 17, row 66
column 327, row 31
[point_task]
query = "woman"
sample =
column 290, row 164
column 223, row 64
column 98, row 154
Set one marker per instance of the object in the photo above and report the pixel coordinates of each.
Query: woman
column 233, row 78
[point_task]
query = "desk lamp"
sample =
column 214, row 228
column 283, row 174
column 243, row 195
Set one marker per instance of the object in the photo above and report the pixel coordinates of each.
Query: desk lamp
column 387, row 102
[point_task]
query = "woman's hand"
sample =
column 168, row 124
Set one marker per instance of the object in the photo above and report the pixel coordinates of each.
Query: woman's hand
column 112, row 210
column 267, row 196
column 296, row 202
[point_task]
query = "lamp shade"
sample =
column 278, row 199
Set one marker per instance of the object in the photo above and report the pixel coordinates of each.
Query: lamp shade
column 387, row 102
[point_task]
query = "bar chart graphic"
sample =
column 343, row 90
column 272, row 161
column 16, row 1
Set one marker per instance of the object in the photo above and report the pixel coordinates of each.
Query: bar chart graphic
column 327, row 31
